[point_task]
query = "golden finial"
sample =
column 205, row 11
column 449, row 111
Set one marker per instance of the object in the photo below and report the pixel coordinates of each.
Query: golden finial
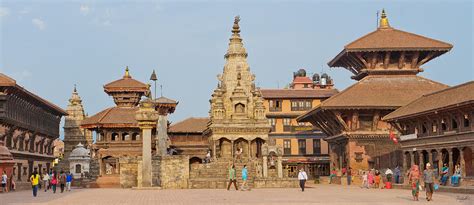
column 75, row 90
column 127, row 73
column 384, row 20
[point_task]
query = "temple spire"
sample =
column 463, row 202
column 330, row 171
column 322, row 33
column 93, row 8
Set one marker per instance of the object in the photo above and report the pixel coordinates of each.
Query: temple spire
column 236, row 27
column 236, row 47
column 384, row 20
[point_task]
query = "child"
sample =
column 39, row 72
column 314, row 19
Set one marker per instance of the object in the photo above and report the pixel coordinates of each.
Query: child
column 377, row 179
column 365, row 183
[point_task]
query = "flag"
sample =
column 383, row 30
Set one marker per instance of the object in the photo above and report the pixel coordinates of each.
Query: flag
column 393, row 137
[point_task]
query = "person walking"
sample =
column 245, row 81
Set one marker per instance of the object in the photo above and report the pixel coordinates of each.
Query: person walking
column 68, row 181
column 414, row 180
column 365, row 182
column 302, row 176
column 62, row 181
column 377, row 179
column 46, row 181
column 12, row 182
column 4, row 182
column 232, row 178
column 244, row 179
column 398, row 173
column 34, row 179
column 349, row 176
column 428, row 178
column 54, row 181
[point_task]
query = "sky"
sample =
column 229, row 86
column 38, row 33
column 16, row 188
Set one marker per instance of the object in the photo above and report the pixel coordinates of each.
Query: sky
column 48, row 46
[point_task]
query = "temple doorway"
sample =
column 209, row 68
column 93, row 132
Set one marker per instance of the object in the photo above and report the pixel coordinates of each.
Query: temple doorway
column 110, row 165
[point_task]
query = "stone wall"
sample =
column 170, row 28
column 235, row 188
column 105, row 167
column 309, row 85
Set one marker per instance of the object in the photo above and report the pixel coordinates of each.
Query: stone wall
column 174, row 172
column 276, row 183
column 129, row 171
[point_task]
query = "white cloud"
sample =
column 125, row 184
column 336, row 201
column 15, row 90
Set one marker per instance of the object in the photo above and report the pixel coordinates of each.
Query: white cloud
column 25, row 11
column 40, row 24
column 84, row 9
column 4, row 11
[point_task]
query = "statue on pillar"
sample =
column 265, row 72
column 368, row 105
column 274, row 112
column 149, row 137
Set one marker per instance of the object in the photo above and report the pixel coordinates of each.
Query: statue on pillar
column 164, row 106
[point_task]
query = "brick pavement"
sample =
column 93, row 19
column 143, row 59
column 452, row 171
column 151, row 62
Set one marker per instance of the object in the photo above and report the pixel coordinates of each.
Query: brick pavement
column 322, row 194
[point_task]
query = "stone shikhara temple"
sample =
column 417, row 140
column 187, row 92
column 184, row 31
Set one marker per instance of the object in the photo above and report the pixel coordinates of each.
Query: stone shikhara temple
column 385, row 64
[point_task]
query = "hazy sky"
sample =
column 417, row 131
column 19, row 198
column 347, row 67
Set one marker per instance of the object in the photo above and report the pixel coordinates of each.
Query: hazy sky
column 48, row 46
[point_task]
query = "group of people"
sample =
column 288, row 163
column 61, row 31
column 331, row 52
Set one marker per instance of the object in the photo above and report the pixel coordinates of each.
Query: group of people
column 455, row 178
column 50, row 181
column 373, row 179
column 416, row 180
column 233, row 178
column 5, row 187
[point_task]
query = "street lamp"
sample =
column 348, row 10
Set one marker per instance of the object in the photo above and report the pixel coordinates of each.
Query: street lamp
column 154, row 78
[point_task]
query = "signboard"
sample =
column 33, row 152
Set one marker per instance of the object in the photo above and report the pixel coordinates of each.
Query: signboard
column 408, row 137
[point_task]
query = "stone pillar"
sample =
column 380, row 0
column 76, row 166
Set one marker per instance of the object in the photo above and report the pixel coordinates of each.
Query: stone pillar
column 440, row 161
column 451, row 164
column 146, row 117
column 161, row 139
column 280, row 167
column 420, row 158
column 430, row 158
column 412, row 158
column 232, row 149
column 214, row 154
column 404, row 163
column 462, row 162
column 265, row 167
column 248, row 143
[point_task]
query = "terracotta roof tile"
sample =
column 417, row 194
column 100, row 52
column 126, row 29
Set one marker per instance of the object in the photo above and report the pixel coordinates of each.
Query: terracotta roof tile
column 190, row 125
column 112, row 117
column 394, row 39
column 165, row 100
column 388, row 92
column 449, row 97
column 128, row 84
column 290, row 93
column 6, row 81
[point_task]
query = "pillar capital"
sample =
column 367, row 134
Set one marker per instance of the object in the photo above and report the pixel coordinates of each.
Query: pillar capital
column 146, row 114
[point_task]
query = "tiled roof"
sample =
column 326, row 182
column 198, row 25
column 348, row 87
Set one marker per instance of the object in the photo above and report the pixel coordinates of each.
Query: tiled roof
column 126, row 83
column 453, row 96
column 388, row 92
column 394, row 39
column 295, row 93
column 165, row 100
column 190, row 125
column 10, row 82
column 112, row 117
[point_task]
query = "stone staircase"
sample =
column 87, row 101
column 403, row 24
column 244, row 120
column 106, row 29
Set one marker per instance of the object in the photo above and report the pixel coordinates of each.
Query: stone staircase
column 214, row 175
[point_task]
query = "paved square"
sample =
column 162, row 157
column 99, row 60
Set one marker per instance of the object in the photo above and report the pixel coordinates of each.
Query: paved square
column 322, row 194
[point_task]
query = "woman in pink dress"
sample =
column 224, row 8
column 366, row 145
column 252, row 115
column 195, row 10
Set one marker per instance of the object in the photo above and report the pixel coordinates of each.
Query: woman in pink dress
column 370, row 178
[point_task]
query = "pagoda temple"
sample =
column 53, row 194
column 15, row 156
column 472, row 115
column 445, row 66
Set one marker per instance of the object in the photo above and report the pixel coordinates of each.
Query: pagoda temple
column 237, row 114
column 117, row 130
column 385, row 64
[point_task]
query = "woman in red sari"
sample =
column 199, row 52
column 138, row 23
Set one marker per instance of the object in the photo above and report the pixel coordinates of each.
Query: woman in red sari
column 414, row 179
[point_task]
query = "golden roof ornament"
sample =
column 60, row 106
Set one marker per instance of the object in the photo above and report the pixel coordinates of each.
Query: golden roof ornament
column 384, row 20
column 127, row 73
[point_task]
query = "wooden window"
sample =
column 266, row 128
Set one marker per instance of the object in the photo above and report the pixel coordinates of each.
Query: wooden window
column 114, row 136
column 78, row 168
column 286, row 124
column 365, row 121
column 434, row 126
column 423, row 128
column 275, row 105
column 272, row 122
column 316, row 146
column 454, row 123
column 444, row 127
column 302, row 146
column 466, row 120
column 286, row 147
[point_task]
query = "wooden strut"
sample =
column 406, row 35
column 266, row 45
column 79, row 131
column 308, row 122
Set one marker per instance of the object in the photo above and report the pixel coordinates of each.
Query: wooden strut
column 414, row 59
column 386, row 61
column 359, row 56
column 428, row 57
column 401, row 60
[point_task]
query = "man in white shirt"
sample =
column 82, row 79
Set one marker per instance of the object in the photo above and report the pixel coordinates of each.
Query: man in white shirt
column 302, row 177
column 389, row 174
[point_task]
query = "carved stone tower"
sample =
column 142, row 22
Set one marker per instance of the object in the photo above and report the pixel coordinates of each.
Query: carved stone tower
column 73, row 134
column 237, row 112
